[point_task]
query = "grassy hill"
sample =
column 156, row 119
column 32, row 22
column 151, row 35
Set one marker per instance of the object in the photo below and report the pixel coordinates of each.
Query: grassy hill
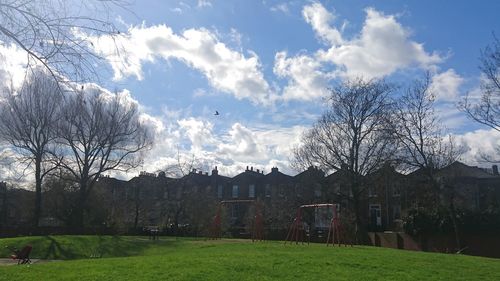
column 137, row 258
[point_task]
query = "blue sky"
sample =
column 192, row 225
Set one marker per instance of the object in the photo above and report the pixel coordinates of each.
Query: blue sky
column 266, row 66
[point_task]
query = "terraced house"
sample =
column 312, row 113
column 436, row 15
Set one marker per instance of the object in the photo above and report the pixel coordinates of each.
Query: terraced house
column 189, row 203
column 192, row 201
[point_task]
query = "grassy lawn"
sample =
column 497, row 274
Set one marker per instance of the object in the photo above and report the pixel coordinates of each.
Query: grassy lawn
column 137, row 258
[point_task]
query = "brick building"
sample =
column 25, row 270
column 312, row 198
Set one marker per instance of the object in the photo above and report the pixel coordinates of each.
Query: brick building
column 190, row 202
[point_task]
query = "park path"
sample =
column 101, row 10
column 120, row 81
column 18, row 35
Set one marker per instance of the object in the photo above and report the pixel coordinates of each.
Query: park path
column 7, row 262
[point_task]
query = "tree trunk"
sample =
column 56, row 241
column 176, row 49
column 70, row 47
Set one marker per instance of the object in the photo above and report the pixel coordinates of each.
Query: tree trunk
column 136, row 219
column 79, row 215
column 453, row 215
column 137, row 205
column 360, row 230
column 38, row 191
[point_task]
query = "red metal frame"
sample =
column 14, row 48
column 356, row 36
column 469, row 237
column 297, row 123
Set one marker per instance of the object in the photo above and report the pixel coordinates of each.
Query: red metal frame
column 257, row 227
column 336, row 232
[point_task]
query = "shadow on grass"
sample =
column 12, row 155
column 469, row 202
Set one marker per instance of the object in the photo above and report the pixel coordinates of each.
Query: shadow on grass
column 55, row 250
column 82, row 247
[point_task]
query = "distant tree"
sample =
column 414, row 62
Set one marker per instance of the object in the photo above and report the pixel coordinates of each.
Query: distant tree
column 55, row 33
column 99, row 133
column 60, row 197
column 185, row 205
column 486, row 110
column 423, row 143
column 353, row 136
column 423, row 146
column 3, row 204
column 28, row 123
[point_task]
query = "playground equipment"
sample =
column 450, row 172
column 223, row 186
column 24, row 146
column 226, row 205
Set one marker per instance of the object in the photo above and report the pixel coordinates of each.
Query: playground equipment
column 299, row 229
column 257, row 231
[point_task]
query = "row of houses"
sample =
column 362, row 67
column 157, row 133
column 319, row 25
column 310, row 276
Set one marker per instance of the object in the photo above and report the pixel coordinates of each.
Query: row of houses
column 192, row 200
column 385, row 196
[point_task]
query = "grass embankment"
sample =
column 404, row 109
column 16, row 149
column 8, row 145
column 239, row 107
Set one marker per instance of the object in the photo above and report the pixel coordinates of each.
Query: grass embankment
column 137, row 258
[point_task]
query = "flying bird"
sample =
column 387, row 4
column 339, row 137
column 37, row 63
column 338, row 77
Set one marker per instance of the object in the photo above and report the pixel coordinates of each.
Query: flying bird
column 216, row 112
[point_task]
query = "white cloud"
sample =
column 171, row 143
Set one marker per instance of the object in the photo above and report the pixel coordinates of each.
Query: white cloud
column 319, row 18
column 13, row 63
column 181, row 8
column 282, row 7
column 306, row 80
column 176, row 10
column 204, row 3
column 199, row 132
column 226, row 70
column 382, row 47
column 12, row 168
column 199, row 92
column 445, row 85
column 451, row 117
column 241, row 145
column 480, row 142
column 235, row 37
column 152, row 122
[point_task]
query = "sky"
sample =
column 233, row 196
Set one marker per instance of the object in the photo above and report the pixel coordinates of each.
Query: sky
column 266, row 67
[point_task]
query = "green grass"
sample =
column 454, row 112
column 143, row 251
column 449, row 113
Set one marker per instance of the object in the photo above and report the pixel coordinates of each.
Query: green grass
column 137, row 258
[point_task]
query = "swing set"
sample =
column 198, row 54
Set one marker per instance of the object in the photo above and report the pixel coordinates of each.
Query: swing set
column 300, row 229
column 257, row 231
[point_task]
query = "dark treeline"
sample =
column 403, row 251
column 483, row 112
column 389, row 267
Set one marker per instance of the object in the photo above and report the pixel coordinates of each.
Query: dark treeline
column 77, row 133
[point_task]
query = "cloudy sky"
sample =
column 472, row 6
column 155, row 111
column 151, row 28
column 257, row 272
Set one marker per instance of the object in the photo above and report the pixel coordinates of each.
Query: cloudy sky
column 266, row 66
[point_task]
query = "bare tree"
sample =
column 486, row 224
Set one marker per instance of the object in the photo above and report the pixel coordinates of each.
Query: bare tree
column 419, row 131
column 486, row 110
column 55, row 33
column 59, row 198
column 28, row 121
column 185, row 199
column 351, row 136
column 100, row 133
column 423, row 144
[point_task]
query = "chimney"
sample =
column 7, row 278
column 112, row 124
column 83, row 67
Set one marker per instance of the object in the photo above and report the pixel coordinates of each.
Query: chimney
column 251, row 168
column 194, row 171
column 247, row 168
column 200, row 173
column 274, row 170
column 206, row 173
column 215, row 172
column 495, row 169
column 258, row 171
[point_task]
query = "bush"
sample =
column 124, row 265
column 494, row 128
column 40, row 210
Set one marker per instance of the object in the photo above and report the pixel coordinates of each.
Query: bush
column 421, row 221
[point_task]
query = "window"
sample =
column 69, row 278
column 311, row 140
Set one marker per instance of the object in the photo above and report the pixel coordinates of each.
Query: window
column 375, row 215
column 251, row 191
column 396, row 212
column 372, row 191
column 282, row 190
column 234, row 211
column 220, row 191
column 268, row 190
column 236, row 191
